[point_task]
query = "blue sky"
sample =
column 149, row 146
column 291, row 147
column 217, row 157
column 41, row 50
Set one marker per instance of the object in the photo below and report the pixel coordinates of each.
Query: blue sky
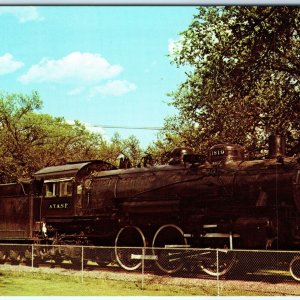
column 98, row 64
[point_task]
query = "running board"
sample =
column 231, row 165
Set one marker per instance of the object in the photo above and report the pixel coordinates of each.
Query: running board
column 177, row 246
column 144, row 257
column 219, row 235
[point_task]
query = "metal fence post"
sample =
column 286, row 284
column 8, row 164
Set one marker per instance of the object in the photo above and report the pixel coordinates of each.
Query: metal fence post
column 218, row 281
column 32, row 256
column 143, row 267
column 82, row 264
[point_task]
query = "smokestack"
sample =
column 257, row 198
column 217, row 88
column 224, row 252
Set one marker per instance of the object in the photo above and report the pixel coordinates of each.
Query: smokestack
column 276, row 146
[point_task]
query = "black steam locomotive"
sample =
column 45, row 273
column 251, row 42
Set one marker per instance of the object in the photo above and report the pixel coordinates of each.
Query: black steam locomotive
column 223, row 201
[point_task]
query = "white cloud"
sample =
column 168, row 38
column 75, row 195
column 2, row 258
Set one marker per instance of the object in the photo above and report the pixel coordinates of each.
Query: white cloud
column 95, row 129
column 23, row 14
column 76, row 91
column 75, row 67
column 113, row 88
column 92, row 128
column 8, row 64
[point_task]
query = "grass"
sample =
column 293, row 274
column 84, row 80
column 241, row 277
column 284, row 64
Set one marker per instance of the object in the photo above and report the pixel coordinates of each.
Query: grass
column 14, row 283
column 37, row 282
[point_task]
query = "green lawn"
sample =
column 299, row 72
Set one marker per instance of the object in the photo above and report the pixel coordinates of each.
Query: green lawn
column 37, row 282
column 40, row 284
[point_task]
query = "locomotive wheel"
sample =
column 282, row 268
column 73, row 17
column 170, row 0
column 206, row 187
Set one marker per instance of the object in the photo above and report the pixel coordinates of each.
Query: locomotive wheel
column 27, row 257
column 76, row 256
column 58, row 258
column 169, row 260
column 105, row 257
column 77, row 263
column 295, row 268
column 15, row 257
column 217, row 266
column 129, row 241
column 57, row 254
column 3, row 257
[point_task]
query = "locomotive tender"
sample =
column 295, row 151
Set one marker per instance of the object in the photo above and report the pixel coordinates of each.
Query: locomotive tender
column 222, row 202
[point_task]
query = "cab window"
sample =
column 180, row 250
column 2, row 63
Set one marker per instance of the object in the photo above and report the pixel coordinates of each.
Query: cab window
column 58, row 189
column 65, row 189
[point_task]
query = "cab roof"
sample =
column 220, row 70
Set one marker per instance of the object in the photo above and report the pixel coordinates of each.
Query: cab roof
column 72, row 169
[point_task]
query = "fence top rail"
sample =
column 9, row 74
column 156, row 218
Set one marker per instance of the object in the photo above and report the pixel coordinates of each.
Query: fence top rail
column 174, row 247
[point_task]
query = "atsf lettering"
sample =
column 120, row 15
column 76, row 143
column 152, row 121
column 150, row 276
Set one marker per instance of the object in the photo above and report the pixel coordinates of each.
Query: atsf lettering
column 58, row 205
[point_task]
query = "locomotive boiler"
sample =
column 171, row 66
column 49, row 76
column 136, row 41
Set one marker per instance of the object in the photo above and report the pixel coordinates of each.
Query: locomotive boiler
column 224, row 201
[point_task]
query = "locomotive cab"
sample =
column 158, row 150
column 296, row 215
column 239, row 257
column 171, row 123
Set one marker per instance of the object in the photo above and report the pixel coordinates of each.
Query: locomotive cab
column 61, row 192
column 61, row 197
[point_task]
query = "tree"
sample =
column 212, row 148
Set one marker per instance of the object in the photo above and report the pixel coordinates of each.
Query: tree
column 112, row 150
column 30, row 141
column 243, row 81
column 60, row 142
column 14, row 139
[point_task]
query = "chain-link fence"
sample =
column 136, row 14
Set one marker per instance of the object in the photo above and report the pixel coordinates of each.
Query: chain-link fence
column 223, row 271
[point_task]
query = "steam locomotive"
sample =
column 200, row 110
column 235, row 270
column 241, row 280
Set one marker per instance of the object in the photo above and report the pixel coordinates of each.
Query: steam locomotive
column 223, row 201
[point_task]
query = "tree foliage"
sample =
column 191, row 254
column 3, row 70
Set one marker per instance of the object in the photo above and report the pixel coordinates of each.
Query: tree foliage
column 30, row 141
column 111, row 151
column 244, row 78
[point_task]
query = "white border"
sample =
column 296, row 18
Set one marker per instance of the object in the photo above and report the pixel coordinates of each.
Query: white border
column 149, row 2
